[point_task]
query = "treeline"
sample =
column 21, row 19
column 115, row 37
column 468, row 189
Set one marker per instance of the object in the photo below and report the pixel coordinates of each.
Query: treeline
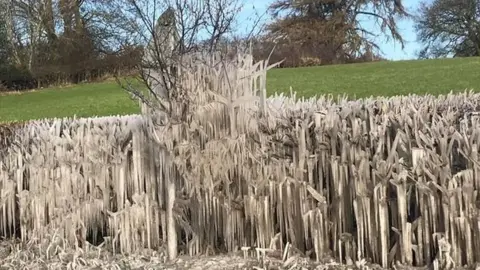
column 74, row 61
column 69, row 66
column 48, row 42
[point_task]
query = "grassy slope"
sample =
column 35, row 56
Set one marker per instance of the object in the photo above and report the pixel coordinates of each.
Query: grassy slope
column 95, row 99
column 360, row 80
column 382, row 79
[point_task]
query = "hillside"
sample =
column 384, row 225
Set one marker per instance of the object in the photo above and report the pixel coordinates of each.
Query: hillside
column 437, row 76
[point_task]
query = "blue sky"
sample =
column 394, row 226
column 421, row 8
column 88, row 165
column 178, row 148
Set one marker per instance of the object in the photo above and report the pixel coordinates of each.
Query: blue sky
column 391, row 50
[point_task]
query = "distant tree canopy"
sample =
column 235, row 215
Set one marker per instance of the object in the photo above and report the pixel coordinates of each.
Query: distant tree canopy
column 449, row 28
column 330, row 30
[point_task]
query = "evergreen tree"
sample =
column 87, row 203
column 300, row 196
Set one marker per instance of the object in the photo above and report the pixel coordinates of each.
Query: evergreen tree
column 449, row 28
column 332, row 29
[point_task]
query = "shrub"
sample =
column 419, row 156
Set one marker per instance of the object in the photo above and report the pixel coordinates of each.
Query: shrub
column 16, row 78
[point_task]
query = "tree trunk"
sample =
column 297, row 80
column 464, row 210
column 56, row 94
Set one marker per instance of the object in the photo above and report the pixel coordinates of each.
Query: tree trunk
column 49, row 20
column 78, row 18
column 67, row 16
column 10, row 32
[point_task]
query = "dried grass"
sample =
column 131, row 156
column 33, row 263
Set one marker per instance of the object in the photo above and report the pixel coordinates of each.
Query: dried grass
column 388, row 180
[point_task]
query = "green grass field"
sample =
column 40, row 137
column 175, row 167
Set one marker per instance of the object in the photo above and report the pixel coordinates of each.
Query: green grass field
column 356, row 80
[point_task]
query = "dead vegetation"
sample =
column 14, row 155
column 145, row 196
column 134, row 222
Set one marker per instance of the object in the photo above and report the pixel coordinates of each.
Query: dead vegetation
column 386, row 181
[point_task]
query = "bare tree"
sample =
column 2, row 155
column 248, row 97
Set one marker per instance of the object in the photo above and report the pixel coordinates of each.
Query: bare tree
column 3, row 32
column 63, row 41
column 186, row 33
column 6, row 32
column 175, row 33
